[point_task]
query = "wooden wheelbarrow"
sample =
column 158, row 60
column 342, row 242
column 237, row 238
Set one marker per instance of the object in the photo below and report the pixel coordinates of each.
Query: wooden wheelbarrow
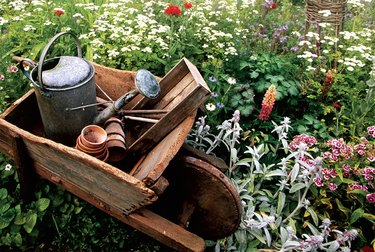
column 176, row 195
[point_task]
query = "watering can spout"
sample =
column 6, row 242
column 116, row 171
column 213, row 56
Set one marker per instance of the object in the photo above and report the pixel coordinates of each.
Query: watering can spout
column 145, row 83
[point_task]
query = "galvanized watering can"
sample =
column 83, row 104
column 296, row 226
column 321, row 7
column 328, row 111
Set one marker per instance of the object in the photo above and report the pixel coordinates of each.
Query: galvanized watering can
column 66, row 93
column 61, row 83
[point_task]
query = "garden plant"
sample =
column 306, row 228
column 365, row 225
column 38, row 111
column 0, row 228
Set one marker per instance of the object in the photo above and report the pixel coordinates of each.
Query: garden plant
column 292, row 113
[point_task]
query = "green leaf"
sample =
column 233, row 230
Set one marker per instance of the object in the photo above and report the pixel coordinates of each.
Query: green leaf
column 4, row 222
column 368, row 216
column 284, row 235
column 258, row 236
column 254, row 74
column 17, row 239
column 273, row 173
column 42, row 204
column 30, row 221
column 313, row 229
column 4, row 207
column 244, row 64
column 3, row 193
column 343, row 209
column 301, row 129
column 20, row 219
column 358, row 213
column 280, row 203
column 296, row 187
column 293, row 91
column 314, row 216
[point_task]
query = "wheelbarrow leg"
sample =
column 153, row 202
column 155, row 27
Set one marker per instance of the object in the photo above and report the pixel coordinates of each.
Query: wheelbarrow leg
column 183, row 219
column 23, row 165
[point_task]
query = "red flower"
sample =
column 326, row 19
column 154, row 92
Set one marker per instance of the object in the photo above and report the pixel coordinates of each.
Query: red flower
column 58, row 11
column 367, row 249
column 188, row 5
column 268, row 103
column 273, row 6
column 336, row 106
column 173, row 10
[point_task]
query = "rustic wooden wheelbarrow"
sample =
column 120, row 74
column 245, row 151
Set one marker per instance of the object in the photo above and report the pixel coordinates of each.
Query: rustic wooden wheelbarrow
column 176, row 195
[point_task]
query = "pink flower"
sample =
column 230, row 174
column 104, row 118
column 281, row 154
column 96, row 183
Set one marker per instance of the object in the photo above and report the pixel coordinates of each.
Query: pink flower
column 268, row 103
column 371, row 131
column 318, row 182
column 346, row 167
column 173, row 10
column 370, row 197
column 332, row 186
column 2, row 77
column 58, row 11
column 12, row 69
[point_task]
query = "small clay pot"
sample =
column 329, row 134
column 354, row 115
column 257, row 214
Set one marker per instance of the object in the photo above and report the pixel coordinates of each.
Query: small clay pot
column 113, row 120
column 91, row 152
column 116, row 149
column 114, row 126
column 93, row 136
column 115, row 136
column 103, row 156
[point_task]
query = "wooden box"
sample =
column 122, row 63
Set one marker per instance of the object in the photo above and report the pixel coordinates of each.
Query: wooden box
column 183, row 90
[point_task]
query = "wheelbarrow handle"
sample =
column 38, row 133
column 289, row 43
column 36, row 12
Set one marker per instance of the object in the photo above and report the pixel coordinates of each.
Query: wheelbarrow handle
column 28, row 62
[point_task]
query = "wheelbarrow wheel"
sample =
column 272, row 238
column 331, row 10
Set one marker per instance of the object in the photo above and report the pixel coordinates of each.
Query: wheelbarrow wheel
column 200, row 198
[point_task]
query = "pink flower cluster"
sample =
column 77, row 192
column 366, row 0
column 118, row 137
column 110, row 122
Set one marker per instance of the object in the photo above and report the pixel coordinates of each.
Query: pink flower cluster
column 358, row 187
column 306, row 139
column 328, row 173
column 339, row 149
column 368, row 173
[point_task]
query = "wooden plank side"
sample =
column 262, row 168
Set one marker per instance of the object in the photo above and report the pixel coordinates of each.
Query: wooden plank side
column 196, row 74
column 165, row 231
column 101, row 179
column 157, row 160
column 174, row 76
column 109, row 185
column 6, row 140
column 22, row 100
column 175, row 92
column 173, row 117
column 189, row 88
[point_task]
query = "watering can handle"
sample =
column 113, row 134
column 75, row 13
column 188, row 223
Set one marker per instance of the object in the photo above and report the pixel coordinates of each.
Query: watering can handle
column 46, row 48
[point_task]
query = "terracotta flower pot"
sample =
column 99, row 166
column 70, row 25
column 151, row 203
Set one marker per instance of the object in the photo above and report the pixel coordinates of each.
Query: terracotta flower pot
column 93, row 136
column 114, row 126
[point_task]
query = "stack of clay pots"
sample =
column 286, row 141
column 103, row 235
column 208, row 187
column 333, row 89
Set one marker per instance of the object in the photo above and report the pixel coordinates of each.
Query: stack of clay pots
column 115, row 140
column 93, row 141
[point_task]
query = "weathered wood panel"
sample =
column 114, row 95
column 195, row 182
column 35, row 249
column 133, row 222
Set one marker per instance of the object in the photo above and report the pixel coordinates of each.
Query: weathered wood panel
column 157, row 160
column 102, row 180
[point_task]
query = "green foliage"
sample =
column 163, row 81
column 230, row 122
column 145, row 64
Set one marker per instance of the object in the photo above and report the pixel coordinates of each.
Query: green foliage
column 18, row 221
